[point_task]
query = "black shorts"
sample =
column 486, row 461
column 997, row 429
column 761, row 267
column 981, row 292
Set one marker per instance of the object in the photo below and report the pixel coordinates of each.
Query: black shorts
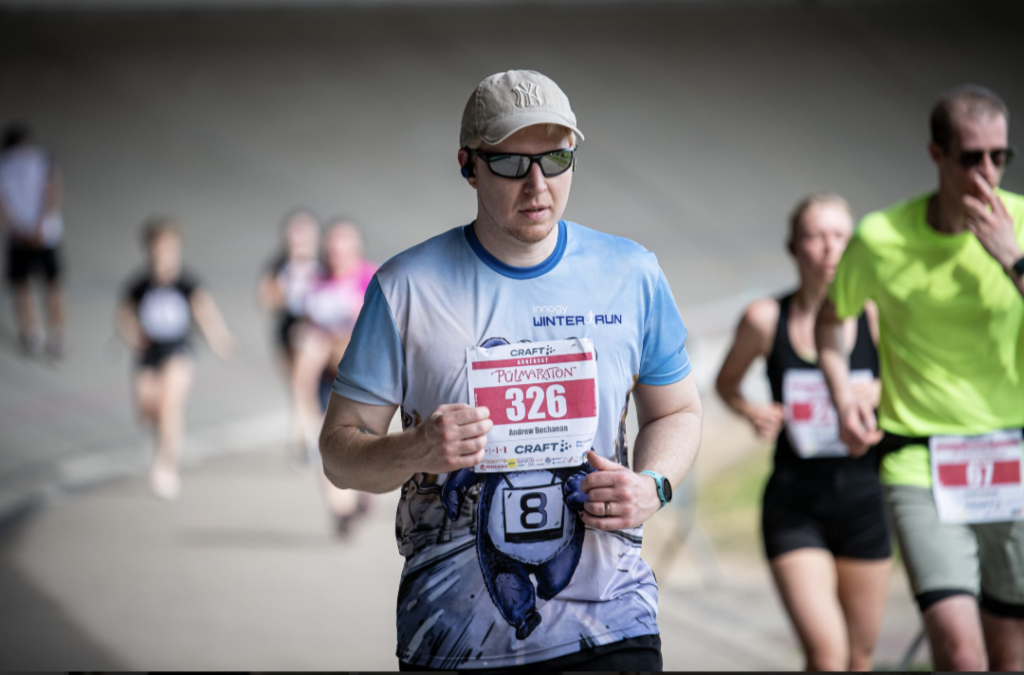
column 156, row 355
column 23, row 261
column 639, row 654
column 285, row 335
column 845, row 516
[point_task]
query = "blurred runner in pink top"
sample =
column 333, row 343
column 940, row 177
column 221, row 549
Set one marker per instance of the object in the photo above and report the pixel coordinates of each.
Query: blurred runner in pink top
column 331, row 309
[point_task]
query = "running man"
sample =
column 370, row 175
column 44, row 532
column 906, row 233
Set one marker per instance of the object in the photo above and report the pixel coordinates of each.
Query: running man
column 30, row 199
column 947, row 274
column 155, row 319
column 823, row 520
column 508, row 567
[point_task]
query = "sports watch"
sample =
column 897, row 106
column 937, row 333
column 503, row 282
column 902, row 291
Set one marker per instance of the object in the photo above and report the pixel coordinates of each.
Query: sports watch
column 664, row 487
column 1017, row 268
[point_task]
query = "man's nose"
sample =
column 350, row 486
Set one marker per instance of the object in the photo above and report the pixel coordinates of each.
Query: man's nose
column 535, row 180
column 988, row 169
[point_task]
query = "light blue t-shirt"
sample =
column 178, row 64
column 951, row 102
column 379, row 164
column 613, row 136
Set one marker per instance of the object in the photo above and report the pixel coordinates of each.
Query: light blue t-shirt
column 477, row 592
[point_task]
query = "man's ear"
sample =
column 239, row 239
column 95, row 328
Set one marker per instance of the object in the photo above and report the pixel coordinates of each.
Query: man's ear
column 466, row 166
column 935, row 152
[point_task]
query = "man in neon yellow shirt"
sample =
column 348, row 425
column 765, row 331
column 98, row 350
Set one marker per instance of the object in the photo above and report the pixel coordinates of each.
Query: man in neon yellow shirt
column 946, row 270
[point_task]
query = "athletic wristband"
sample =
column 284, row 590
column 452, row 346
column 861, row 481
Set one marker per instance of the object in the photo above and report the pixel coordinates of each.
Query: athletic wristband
column 1018, row 268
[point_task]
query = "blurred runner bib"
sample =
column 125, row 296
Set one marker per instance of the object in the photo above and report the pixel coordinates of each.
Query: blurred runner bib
column 977, row 479
column 811, row 421
column 543, row 402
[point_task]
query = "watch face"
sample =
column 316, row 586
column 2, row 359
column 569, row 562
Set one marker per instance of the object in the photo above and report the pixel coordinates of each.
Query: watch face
column 666, row 489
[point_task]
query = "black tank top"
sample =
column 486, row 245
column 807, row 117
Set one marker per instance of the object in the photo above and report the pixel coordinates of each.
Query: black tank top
column 782, row 358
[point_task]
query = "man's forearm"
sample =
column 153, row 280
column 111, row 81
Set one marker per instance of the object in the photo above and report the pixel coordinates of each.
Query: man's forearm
column 828, row 338
column 669, row 445
column 360, row 459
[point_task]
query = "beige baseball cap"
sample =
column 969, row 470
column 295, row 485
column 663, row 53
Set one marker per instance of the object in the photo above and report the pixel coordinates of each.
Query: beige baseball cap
column 506, row 102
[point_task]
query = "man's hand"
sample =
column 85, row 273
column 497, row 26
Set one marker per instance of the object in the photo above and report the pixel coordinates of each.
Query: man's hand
column 451, row 438
column 767, row 419
column 992, row 224
column 630, row 497
column 858, row 428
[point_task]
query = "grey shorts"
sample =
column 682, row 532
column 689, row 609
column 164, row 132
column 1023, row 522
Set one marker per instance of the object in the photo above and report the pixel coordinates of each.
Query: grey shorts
column 945, row 559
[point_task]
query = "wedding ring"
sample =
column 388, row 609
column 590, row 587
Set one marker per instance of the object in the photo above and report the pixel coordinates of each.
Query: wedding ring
column 607, row 509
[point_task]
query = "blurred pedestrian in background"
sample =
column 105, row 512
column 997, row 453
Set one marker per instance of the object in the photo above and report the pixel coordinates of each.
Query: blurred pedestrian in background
column 946, row 270
column 30, row 200
column 155, row 318
column 284, row 288
column 332, row 307
column 823, row 522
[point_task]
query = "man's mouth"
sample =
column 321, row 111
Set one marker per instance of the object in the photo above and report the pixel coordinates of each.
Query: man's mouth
column 534, row 211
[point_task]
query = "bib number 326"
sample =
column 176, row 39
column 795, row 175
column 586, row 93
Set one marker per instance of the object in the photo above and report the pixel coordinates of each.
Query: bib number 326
column 554, row 408
column 543, row 402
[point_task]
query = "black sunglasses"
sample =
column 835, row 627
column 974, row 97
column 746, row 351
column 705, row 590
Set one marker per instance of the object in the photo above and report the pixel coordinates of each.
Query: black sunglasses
column 514, row 165
column 1000, row 157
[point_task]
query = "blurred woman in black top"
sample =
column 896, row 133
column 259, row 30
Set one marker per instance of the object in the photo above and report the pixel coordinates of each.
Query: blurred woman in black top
column 823, row 522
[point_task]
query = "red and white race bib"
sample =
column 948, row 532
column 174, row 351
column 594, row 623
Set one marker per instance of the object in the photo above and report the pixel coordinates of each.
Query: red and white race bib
column 543, row 402
column 977, row 479
column 812, row 423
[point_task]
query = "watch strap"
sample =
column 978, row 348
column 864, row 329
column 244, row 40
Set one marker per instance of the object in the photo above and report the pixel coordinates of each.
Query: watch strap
column 659, row 482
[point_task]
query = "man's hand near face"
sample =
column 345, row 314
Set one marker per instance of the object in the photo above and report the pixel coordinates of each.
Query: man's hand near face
column 992, row 224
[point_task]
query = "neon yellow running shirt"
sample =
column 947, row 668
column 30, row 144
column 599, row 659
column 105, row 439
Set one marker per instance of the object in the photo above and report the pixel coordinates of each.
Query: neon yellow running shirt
column 951, row 344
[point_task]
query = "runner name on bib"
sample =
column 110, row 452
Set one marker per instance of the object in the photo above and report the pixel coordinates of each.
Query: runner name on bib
column 811, row 421
column 977, row 479
column 543, row 402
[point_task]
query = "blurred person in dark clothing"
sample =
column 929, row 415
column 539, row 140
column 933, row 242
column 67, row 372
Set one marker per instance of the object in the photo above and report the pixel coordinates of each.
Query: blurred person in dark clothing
column 155, row 319
column 30, row 199
column 823, row 519
column 284, row 288
column 332, row 307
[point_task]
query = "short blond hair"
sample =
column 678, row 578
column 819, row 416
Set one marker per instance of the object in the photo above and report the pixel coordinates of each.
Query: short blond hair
column 799, row 214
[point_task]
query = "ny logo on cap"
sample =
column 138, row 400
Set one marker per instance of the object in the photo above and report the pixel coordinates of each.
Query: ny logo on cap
column 526, row 95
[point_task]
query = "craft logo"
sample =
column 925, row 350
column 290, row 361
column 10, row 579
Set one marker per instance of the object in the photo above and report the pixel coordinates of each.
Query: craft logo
column 560, row 446
column 533, row 351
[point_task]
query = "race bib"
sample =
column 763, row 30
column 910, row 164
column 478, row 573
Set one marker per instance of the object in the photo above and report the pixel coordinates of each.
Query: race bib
column 811, row 421
column 543, row 402
column 977, row 479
